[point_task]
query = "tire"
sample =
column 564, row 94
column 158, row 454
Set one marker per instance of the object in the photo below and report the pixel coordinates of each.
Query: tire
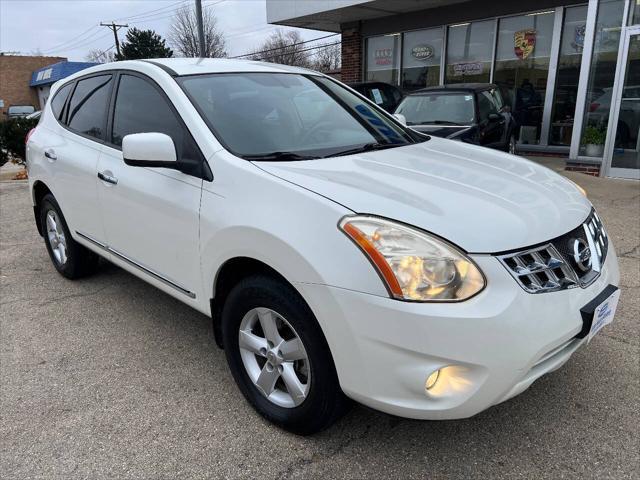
column 252, row 301
column 70, row 259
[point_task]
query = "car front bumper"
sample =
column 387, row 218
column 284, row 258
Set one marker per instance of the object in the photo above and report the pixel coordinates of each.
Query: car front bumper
column 488, row 349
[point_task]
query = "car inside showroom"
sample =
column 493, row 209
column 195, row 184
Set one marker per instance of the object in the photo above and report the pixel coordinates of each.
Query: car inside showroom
column 568, row 71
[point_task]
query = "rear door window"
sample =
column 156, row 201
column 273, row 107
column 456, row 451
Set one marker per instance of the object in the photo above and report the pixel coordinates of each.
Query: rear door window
column 88, row 106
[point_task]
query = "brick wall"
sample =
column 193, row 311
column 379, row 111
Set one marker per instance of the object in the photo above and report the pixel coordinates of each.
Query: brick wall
column 15, row 76
column 586, row 168
column 351, row 55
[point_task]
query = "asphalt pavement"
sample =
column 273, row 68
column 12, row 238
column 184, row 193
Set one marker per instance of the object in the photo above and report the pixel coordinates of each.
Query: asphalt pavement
column 108, row 377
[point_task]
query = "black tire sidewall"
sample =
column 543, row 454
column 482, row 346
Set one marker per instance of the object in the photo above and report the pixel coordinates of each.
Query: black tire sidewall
column 322, row 404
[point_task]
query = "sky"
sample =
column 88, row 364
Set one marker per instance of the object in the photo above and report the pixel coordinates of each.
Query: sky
column 70, row 28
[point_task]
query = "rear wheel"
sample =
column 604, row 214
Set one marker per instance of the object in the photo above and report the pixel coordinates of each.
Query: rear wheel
column 70, row 258
column 279, row 358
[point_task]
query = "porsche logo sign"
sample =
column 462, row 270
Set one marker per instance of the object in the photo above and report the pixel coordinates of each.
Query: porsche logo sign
column 524, row 43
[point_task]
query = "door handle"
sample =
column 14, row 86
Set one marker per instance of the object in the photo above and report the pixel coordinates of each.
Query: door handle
column 50, row 154
column 107, row 178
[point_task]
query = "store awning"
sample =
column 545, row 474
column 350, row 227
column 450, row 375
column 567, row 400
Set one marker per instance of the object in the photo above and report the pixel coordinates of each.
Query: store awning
column 329, row 14
column 52, row 73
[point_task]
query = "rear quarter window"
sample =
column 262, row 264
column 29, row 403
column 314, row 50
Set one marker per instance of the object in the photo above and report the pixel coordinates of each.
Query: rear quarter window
column 59, row 99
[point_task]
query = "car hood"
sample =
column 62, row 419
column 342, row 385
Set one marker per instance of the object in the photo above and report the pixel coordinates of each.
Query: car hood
column 480, row 199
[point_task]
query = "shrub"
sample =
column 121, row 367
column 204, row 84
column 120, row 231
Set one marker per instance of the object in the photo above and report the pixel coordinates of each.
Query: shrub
column 594, row 136
column 12, row 135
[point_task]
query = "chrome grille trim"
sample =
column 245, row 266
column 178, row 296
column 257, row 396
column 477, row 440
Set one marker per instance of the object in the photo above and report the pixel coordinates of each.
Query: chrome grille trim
column 564, row 262
column 540, row 269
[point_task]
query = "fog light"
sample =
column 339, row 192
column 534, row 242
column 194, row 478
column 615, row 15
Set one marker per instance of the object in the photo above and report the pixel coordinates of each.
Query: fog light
column 432, row 380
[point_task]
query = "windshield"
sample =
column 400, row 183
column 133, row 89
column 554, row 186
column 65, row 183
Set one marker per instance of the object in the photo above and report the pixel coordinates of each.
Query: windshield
column 438, row 108
column 274, row 114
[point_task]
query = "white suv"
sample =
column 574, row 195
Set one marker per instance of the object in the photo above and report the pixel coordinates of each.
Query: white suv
column 340, row 254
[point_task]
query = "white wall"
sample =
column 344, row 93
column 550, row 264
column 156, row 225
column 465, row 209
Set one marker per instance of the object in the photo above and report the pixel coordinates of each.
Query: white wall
column 279, row 10
column 43, row 95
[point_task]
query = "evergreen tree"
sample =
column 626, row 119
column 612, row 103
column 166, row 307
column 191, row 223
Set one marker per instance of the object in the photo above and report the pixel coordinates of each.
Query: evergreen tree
column 143, row 44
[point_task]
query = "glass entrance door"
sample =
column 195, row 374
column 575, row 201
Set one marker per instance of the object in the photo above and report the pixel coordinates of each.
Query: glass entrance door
column 623, row 156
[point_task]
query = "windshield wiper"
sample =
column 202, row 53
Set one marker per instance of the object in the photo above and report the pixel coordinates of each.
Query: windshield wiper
column 367, row 147
column 279, row 157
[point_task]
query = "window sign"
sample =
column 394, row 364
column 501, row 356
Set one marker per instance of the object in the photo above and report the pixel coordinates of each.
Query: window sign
column 377, row 96
column 522, row 68
column 421, row 55
column 383, row 59
column 469, row 52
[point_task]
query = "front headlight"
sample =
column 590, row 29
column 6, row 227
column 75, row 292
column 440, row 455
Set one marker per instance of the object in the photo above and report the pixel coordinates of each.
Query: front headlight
column 414, row 265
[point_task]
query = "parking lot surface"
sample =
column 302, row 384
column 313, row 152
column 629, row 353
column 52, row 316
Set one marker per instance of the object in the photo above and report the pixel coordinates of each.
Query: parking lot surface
column 108, row 377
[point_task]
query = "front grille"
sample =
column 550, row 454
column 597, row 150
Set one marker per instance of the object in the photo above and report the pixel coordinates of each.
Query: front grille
column 571, row 260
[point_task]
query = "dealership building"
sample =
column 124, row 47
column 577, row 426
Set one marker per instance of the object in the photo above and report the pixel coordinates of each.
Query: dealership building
column 569, row 71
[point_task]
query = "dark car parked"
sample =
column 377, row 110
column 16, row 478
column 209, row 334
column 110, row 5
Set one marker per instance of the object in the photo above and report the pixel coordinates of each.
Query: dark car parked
column 383, row 94
column 469, row 112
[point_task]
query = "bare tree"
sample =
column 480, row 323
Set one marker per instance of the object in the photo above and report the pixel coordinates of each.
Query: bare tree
column 327, row 58
column 284, row 48
column 183, row 34
column 100, row 56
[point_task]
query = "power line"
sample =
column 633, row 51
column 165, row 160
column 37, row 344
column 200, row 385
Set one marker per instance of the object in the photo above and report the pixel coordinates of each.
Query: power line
column 164, row 15
column 148, row 12
column 286, row 46
column 67, row 45
column 72, row 40
column 83, row 43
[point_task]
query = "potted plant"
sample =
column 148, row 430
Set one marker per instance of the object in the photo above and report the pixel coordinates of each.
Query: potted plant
column 594, row 138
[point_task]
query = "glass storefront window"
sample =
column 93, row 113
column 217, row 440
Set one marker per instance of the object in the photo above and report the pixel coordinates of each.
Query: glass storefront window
column 383, row 59
column 635, row 18
column 469, row 52
column 568, row 74
column 522, row 68
column 601, row 77
column 421, row 55
column 626, row 153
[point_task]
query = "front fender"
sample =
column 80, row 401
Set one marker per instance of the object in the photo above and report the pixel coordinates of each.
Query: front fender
column 247, row 212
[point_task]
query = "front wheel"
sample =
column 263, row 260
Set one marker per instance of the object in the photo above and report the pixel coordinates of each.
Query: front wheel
column 279, row 357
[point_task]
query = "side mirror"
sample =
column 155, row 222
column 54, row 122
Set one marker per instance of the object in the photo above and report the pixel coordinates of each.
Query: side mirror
column 149, row 150
column 401, row 118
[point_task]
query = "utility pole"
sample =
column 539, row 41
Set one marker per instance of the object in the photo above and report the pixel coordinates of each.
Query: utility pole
column 200, row 28
column 115, row 27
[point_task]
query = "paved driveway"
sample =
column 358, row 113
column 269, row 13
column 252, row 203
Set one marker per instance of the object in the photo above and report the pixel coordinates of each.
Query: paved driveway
column 110, row 378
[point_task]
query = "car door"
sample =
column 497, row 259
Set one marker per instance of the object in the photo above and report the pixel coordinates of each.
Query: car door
column 491, row 123
column 72, row 150
column 151, row 215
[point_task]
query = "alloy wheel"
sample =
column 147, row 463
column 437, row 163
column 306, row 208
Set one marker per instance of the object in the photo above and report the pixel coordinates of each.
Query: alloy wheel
column 274, row 357
column 56, row 238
